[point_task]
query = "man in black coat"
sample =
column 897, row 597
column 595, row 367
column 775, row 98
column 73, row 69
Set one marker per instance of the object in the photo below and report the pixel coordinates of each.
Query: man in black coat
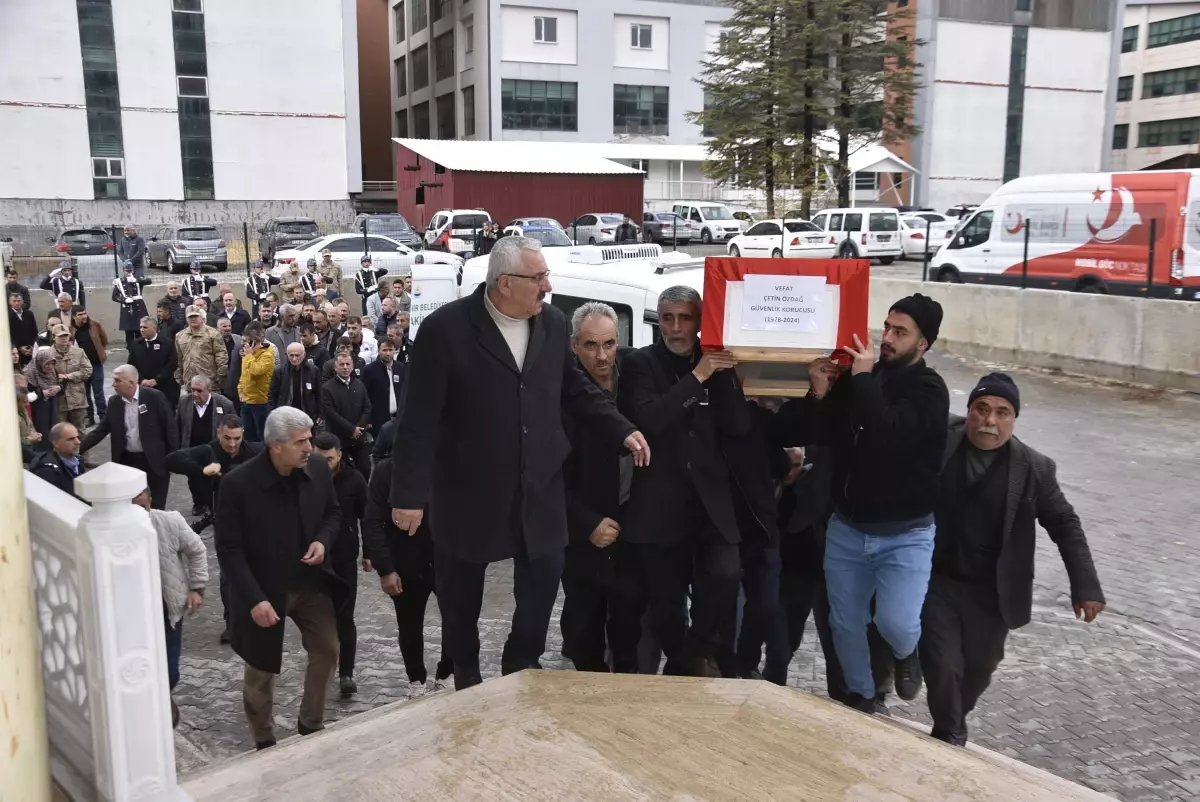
column 196, row 284
column 22, row 327
column 277, row 519
column 384, row 380
column 313, row 350
column 153, row 354
column 258, row 287
column 209, row 463
column 127, row 291
column 228, row 309
column 11, row 285
column 994, row 490
column 681, row 521
column 351, row 490
column 296, row 383
column 62, row 280
column 604, row 601
column 346, row 410
column 142, row 424
column 60, row 464
column 489, row 377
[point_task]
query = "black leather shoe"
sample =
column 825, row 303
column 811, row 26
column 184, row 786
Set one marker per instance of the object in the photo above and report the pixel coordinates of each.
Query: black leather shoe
column 226, row 635
column 347, row 686
column 863, row 705
column 300, row 728
column 261, row 745
column 463, row 681
column 909, row 677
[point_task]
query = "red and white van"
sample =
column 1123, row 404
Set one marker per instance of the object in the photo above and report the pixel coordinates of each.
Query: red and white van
column 1087, row 232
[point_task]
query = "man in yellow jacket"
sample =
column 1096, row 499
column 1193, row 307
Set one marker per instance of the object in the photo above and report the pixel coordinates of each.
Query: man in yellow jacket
column 254, row 387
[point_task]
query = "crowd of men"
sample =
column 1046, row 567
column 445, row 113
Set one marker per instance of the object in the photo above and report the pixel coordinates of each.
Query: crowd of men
column 690, row 527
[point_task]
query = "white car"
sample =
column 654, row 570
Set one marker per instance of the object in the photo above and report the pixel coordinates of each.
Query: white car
column 915, row 229
column 464, row 224
column 766, row 238
column 863, row 233
column 348, row 249
column 595, row 229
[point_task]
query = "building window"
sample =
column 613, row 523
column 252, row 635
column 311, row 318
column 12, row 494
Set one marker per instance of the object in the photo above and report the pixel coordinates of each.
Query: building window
column 398, row 20
column 538, row 105
column 866, row 182
column 1129, row 39
column 443, row 56
column 640, row 109
column 108, row 168
column 1120, row 139
column 639, row 36
column 400, row 79
column 1014, row 121
column 188, row 6
column 445, row 116
column 418, row 15
column 1184, row 81
column 1174, row 31
column 192, row 86
column 102, row 95
column 1124, row 88
column 402, row 123
column 641, row 164
column 421, row 121
column 440, row 8
column 1024, row 5
column 1168, row 133
column 468, row 94
column 420, row 68
column 545, row 29
column 469, row 38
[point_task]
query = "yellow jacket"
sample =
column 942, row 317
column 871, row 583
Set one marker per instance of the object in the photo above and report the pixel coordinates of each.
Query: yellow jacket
column 255, row 384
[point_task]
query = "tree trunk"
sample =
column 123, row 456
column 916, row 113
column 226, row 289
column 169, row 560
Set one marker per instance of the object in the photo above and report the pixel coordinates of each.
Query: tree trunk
column 769, row 176
column 808, row 161
column 845, row 110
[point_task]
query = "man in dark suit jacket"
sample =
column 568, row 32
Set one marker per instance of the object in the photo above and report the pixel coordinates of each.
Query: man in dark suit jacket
column 384, row 380
column 22, row 328
column 296, row 383
column 347, row 413
column 489, row 377
column 681, row 510
column 227, row 308
column 277, row 519
column 143, row 430
column 60, row 464
column 994, row 489
column 153, row 354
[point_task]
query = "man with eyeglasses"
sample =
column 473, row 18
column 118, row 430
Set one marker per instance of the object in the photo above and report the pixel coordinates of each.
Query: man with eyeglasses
column 198, row 414
column 489, row 378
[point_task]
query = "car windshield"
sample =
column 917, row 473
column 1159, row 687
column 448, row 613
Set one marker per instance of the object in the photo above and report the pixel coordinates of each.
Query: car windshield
column 795, row 226
column 715, row 213
column 667, row 217
column 541, row 222
column 298, row 227
column 884, row 222
column 469, row 221
column 300, row 246
column 612, row 219
column 387, row 224
column 196, row 234
column 549, row 237
column 91, row 237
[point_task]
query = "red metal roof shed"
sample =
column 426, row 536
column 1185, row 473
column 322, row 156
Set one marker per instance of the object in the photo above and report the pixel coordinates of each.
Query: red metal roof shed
column 511, row 179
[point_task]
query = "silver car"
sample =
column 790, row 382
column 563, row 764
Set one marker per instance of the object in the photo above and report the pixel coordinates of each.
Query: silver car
column 595, row 229
column 174, row 248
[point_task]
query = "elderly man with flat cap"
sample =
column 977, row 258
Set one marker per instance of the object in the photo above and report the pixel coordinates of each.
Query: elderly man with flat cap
column 993, row 490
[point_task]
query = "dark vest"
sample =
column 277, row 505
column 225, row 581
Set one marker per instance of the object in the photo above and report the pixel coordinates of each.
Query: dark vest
column 970, row 518
column 202, row 427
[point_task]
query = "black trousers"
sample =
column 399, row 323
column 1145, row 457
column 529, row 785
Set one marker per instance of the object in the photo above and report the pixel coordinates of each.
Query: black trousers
column 962, row 643
column 713, row 568
column 460, row 597
column 347, row 631
column 603, row 608
column 762, row 615
column 360, row 454
column 201, row 489
column 410, row 619
column 159, row 483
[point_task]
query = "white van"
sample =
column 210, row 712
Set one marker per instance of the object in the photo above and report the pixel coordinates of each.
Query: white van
column 714, row 221
column 863, row 233
column 434, row 286
column 464, row 224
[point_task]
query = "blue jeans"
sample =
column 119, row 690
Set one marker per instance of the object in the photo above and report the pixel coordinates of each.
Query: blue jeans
column 97, row 405
column 254, row 416
column 174, row 649
column 895, row 569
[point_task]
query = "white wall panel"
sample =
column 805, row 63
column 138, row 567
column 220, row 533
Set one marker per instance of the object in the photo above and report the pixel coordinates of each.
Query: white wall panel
column 1077, row 122
column 517, row 32
column 970, row 52
column 40, row 60
column 45, row 153
column 145, row 56
column 967, row 132
column 1068, row 59
column 278, row 158
column 153, row 170
column 658, row 57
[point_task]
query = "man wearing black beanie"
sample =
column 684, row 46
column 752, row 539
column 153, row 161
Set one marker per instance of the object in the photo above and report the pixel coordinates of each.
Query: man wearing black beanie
column 993, row 487
column 885, row 425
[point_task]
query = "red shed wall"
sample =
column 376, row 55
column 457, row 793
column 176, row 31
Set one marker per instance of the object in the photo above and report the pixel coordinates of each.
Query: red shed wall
column 407, row 181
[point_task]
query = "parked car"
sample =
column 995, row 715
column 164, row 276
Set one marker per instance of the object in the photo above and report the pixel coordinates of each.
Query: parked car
column 390, row 225
column 174, row 247
column 714, row 221
column 549, row 236
column 87, row 246
column 931, row 216
column 6, row 252
column 595, row 228
column 916, row 229
column 961, row 210
column 348, row 249
column 464, row 224
column 863, row 233
column 279, row 233
column 519, row 225
column 664, row 227
column 766, row 238
column 745, row 218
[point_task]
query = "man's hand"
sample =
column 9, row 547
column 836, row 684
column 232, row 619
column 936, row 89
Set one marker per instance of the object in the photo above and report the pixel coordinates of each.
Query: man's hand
column 264, row 615
column 366, row 566
column 605, row 533
column 796, row 455
column 194, row 600
column 35, row 437
column 408, row 520
column 315, row 554
column 391, row 584
column 864, row 356
column 821, row 373
column 149, row 382
column 357, row 433
column 212, row 469
column 711, row 362
column 636, row 443
column 1088, row 610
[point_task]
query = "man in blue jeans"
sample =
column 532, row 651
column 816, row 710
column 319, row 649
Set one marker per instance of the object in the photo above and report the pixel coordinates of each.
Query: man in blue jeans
column 885, row 425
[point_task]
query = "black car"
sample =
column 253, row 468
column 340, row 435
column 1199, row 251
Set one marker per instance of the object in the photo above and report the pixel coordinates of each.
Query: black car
column 281, row 233
column 82, row 242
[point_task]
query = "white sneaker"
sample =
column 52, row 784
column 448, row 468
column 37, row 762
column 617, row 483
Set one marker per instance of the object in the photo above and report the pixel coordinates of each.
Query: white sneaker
column 416, row 689
column 440, row 685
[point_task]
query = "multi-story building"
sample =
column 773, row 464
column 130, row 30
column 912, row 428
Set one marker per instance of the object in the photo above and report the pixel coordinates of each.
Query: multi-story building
column 156, row 110
column 1008, row 88
column 1158, row 89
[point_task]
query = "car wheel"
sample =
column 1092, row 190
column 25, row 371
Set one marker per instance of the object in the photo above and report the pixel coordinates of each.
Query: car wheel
column 886, row 260
column 149, row 260
column 222, row 268
column 776, row 254
column 591, row 240
column 734, row 252
column 948, row 275
column 1091, row 286
column 706, row 237
column 170, row 264
column 847, row 251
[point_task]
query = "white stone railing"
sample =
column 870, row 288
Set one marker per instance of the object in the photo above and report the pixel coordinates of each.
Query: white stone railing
column 100, row 621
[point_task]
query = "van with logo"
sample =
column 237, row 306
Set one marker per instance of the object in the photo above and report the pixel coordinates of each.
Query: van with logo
column 1084, row 232
column 866, row 232
column 434, row 286
column 714, row 222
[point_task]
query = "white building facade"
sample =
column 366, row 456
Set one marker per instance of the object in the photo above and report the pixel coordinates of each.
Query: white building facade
column 1158, row 91
column 1010, row 88
column 177, row 109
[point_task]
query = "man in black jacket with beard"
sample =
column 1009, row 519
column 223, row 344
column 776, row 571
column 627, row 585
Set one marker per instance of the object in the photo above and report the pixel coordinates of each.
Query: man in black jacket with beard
column 296, row 383
column 347, row 413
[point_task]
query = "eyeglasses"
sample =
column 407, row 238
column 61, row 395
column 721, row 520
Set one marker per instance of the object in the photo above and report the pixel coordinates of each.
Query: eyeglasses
column 539, row 278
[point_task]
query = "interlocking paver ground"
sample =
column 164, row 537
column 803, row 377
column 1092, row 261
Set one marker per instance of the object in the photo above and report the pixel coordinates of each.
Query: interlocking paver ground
column 1114, row 705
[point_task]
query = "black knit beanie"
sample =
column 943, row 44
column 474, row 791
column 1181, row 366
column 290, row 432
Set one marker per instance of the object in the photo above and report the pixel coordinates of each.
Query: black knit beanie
column 926, row 312
column 1000, row 385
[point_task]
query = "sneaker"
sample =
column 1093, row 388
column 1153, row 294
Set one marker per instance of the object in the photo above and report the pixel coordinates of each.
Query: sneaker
column 908, row 677
column 864, row 705
column 440, row 685
column 303, row 730
column 199, row 510
column 347, row 686
column 226, row 635
column 417, row 688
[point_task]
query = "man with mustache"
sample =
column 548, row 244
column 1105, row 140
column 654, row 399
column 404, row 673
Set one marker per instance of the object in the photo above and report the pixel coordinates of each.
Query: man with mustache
column 993, row 489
